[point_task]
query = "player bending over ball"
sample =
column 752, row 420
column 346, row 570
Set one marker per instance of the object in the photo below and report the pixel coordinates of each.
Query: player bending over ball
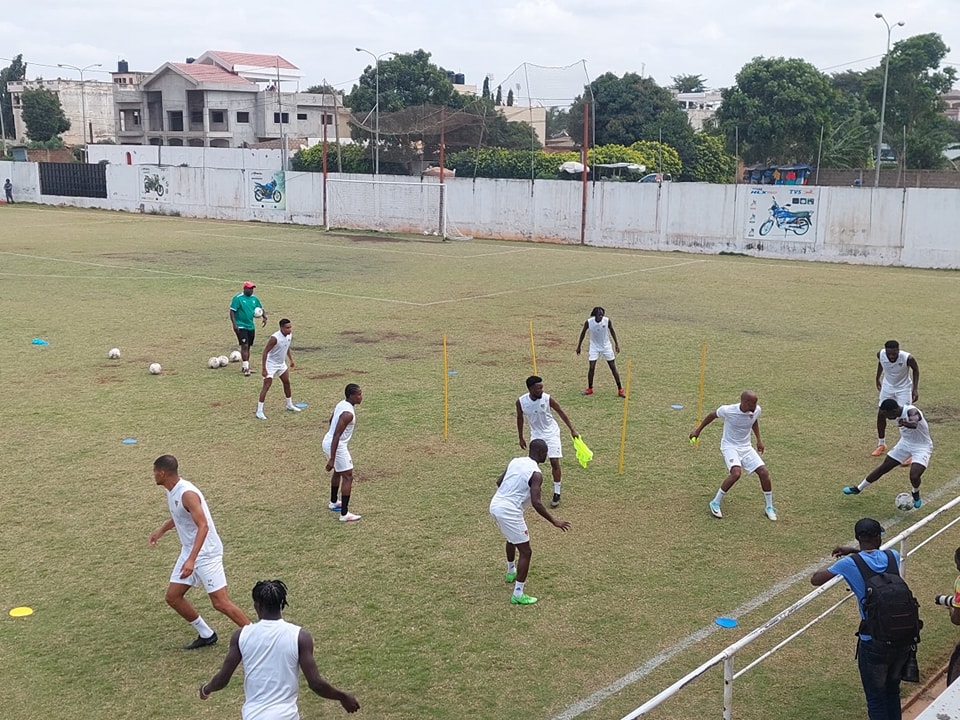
column 518, row 488
column 273, row 362
column 601, row 331
column 243, row 309
column 915, row 442
column 342, row 422
column 738, row 420
column 535, row 406
column 201, row 552
column 894, row 367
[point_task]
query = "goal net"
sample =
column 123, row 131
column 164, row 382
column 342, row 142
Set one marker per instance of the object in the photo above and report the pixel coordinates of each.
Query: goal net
column 387, row 206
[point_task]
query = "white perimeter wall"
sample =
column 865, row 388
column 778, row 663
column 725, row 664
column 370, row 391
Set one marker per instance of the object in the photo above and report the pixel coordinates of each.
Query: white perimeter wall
column 914, row 227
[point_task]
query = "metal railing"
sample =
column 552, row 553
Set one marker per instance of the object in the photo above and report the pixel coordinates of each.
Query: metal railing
column 727, row 656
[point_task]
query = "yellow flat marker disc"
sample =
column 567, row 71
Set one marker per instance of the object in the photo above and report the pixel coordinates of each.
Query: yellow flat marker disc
column 21, row 611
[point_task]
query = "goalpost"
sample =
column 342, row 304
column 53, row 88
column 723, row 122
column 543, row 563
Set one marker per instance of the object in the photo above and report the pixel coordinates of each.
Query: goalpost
column 388, row 206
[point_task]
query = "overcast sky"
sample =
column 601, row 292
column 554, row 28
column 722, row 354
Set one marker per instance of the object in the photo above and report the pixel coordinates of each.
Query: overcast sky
column 505, row 38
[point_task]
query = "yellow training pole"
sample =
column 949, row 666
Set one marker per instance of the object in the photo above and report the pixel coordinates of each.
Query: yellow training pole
column 623, row 431
column 446, row 376
column 533, row 350
column 703, row 370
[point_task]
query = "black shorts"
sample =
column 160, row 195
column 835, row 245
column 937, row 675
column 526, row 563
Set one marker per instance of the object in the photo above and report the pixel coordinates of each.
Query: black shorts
column 245, row 337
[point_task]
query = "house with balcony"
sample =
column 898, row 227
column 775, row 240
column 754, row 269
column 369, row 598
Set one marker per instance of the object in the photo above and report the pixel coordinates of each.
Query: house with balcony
column 223, row 99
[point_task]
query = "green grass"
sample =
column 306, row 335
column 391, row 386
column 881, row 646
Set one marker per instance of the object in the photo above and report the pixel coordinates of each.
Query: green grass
column 408, row 607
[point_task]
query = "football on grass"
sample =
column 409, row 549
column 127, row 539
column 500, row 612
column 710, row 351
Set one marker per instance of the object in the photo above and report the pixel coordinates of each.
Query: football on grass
column 903, row 501
column 223, row 360
column 235, row 356
column 155, row 368
column 113, row 353
column 213, row 363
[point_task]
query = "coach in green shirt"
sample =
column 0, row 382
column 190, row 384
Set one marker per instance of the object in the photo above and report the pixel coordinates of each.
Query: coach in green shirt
column 243, row 311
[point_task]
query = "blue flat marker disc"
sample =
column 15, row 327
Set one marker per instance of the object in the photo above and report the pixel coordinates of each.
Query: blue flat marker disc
column 451, row 372
column 677, row 407
column 129, row 441
column 301, row 404
column 726, row 622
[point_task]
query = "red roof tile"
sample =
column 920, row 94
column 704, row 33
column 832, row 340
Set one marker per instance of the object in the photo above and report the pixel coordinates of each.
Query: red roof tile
column 232, row 59
column 211, row 74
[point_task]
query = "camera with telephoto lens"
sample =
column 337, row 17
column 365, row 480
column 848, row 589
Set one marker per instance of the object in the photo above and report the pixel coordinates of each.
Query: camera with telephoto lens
column 945, row 600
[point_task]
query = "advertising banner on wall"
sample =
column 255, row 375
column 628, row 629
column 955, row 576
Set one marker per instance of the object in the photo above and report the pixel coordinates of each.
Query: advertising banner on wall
column 268, row 189
column 781, row 212
column 154, row 184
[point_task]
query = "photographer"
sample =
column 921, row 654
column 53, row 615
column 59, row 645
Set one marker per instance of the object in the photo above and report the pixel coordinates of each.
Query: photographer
column 952, row 602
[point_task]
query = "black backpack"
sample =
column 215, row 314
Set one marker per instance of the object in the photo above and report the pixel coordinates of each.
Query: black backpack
column 892, row 612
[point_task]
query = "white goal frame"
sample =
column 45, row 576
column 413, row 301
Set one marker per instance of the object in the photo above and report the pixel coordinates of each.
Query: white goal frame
column 386, row 206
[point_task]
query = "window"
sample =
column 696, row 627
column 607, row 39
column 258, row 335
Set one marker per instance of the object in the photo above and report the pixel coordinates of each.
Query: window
column 327, row 119
column 243, row 117
column 175, row 120
column 196, row 117
column 301, row 116
column 281, row 118
column 216, row 117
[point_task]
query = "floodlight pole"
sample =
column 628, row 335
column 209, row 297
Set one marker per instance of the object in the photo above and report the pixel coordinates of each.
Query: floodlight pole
column 83, row 95
column 376, row 107
column 883, row 101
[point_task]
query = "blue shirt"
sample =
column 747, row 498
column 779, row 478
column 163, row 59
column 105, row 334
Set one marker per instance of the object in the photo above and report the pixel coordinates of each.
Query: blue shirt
column 846, row 567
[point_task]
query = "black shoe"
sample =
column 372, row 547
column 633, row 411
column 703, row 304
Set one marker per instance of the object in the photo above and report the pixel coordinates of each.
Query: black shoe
column 201, row 642
column 555, row 502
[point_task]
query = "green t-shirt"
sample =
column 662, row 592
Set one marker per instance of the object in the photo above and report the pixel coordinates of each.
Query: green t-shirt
column 243, row 307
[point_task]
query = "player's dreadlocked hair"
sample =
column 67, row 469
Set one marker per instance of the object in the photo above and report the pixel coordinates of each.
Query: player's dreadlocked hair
column 271, row 595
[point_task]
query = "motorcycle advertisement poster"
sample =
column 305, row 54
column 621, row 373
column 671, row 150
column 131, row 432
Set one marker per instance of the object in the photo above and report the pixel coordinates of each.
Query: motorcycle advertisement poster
column 781, row 212
column 267, row 189
column 154, row 185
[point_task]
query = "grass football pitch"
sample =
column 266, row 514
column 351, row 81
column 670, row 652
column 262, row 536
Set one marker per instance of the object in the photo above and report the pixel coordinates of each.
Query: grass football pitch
column 408, row 607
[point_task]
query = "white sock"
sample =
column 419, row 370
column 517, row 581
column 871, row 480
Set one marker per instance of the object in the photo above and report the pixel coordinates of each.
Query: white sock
column 863, row 485
column 556, row 488
column 246, row 364
column 202, row 628
column 289, row 402
column 881, row 441
column 518, row 588
column 768, row 498
column 511, row 567
column 260, row 408
column 719, row 496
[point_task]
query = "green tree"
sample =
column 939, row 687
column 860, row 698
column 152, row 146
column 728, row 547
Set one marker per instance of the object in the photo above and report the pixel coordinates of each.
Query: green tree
column 43, row 115
column 711, row 162
column 406, row 80
column 509, row 98
column 322, row 89
column 689, row 83
column 658, row 157
column 355, row 159
column 499, row 99
column 485, row 93
column 15, row 71
column 778, row 108
column 557, row 120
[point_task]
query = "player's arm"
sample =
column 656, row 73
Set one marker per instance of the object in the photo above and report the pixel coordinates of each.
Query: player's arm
column 613, row 334
column 271, row 343
column 345, row 419
column 523, row 443
column 290, row 358
column 706, row 421
column 583, row 334
column 308, row 665
column 191, row 501
column 915, row 370
column 166, row 527
column 233, row 318
column 756, row 432
column 502, row 476
column 913, row 419
column 230, row 663
column 536, row 483
column 554, row 405
column 822, row 576
column 879, row 372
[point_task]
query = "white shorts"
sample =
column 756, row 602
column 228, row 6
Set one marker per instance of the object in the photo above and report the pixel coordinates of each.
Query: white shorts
column 276, row 370
column 206, row 572
column 342, row 462
column 903, row 397
column 747, row 458
column 511, row 524
column 901, row 451
column 553, row 445
column 606, row 351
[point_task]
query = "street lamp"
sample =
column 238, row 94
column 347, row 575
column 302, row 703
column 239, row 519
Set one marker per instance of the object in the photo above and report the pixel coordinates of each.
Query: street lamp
column 376, row 107
column 883, row 102
column 83, row 95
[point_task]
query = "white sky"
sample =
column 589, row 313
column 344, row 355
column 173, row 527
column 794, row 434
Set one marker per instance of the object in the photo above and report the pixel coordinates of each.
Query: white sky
column 659, row 39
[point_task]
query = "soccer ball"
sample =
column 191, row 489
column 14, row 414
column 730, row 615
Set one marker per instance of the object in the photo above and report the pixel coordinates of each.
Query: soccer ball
column 223, row 361
column 155, row 368
column 213, row 363
column 235, row 356
column 113, row 353
column 258, row 312
column 903, row 501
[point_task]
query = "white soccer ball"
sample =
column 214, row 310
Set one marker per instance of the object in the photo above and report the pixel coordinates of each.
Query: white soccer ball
column 235, row 356
column 113, row 353
column 213, row 363
column 223, row 361
column 258, row 312
column 155, row 368
column 903, row 501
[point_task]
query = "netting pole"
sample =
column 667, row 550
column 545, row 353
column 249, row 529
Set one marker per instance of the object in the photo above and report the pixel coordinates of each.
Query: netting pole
column 446, row 376
column 623, row 431
column 443, row 225
column 324, row 176
column 583, row 152
column 533, row 350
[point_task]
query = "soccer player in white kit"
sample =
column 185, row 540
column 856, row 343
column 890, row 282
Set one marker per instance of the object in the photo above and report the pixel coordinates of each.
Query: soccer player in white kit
column 274, row 364
column 601, row 331
column 894, row 367
column 915, row 442
column 201, row 553
column 342, row 422
column 739, row 419
column 535, row 406
column 273, row 653
column 518, row 488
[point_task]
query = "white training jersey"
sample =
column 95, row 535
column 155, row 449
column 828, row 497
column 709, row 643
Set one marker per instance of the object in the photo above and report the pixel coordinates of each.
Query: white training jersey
column 342, row 407
column 896, row 374
column 278, row 353
column 514, row 490
column 599, row 332
column 918, row 436
column 271, row 670
column 186, row 527
column 737, row 425
column 539, row 417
